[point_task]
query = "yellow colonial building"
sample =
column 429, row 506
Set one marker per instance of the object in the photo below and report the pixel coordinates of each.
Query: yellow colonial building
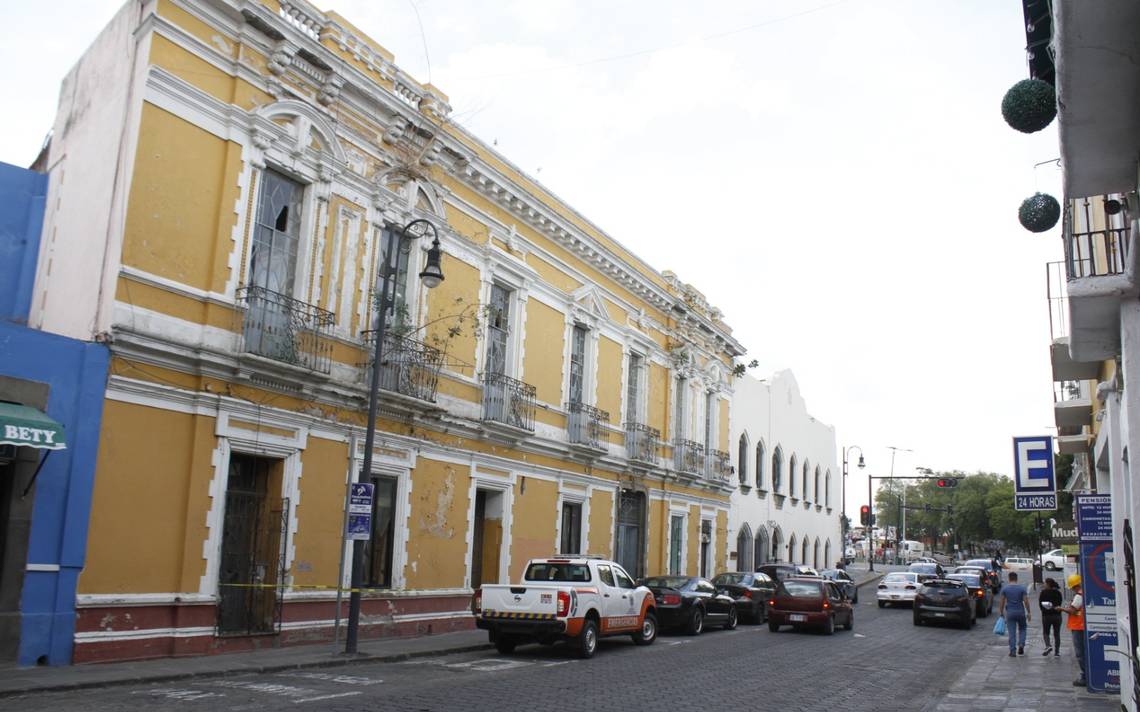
column 225, row 176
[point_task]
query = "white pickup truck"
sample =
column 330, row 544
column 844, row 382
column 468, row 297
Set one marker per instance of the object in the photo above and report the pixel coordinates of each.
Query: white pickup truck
column 572, row 598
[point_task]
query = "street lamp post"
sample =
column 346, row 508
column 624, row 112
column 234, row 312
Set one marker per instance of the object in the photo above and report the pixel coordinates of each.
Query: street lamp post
column 843, row 519
column 431, row 276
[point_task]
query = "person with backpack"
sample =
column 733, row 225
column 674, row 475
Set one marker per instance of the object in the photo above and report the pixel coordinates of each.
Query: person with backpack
column 1049, row 601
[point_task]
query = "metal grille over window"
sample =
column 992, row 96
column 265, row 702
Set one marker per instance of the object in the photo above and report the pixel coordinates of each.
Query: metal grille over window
column 689, row 457
column 587, row 425
column 1092, row 252
column 719, row 466
column 409, row 367
column 508, row 401
column 641, row 442
column 284, row 329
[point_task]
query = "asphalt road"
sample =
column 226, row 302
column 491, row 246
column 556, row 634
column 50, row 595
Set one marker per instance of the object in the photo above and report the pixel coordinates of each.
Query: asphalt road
column 886, row 663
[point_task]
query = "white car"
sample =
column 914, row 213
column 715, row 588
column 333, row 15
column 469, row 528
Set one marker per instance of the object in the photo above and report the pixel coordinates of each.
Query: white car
column 898, row 587
column 1054, row 560
column 1019, row 565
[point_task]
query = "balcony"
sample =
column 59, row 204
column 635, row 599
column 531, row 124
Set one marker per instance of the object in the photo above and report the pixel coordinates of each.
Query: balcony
column 1100, row 271
column 285, row 329
column 1072, row 406
column 641, row 443
column 408, row 367
column 586, row 427
column 688, row 457
column 1064, row 367
column 508, row 402
column 718, row 466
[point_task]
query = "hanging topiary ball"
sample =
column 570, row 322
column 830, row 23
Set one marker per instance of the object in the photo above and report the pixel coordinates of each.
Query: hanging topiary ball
column 1029, row 105
column 1039, row 212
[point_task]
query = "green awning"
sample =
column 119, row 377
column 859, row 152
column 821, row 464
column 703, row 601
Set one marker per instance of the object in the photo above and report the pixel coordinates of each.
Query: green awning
column 25, row 426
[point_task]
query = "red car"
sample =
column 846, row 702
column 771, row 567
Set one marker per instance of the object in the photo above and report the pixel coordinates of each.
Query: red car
column 803, row 602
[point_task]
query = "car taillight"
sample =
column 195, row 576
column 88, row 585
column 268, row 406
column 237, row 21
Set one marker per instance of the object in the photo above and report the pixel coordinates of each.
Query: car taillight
column 772, row 603
column 670, row 599
column 563, row 602
column 748, row 594
column 981, row 594
column 477, row 601
column 826, row 605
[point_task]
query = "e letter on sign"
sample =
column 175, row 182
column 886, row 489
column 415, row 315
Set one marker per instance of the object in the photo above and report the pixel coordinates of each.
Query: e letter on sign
column 1034, row 482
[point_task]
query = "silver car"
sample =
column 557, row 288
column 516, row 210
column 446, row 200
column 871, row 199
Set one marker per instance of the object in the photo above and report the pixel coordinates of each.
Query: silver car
column 898, row 587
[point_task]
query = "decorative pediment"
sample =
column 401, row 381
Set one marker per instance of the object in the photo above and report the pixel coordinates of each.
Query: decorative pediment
column 587, row 306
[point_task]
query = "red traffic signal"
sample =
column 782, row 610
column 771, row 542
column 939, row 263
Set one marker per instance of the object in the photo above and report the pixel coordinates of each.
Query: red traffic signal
column 947, row 482
column 865, row 515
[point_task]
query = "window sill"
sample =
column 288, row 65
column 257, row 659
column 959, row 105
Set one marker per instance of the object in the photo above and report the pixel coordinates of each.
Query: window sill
column 745, row 488
column 761, row 493
column 779, row 499
column 795, row 500
column 819, row 507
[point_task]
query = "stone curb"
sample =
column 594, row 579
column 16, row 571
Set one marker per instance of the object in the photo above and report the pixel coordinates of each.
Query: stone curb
column 360, row 659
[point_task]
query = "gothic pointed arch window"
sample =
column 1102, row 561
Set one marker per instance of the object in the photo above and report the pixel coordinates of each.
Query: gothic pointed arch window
column 793, row 472
column 816, row 496
column 827, row 488
column 761, row 552
column 743, row 548
column 742, row 459
column 815, row 556
column 806, row 552
column 804, row 492
column 792, row 549
column 760, row 455
column 777, row 468
column 827, row 552
column 777, row 544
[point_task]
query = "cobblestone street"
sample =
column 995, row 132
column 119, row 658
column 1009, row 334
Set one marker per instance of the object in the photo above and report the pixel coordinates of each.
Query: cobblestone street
column 886, row 663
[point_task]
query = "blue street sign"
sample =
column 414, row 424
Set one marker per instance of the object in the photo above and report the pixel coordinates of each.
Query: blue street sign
column 1094, row 532
column 1034, row 482
column 360, row 511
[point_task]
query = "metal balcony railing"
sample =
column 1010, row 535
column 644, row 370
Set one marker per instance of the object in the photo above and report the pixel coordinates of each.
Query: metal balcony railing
column 1092, row 253
column 1057, row 294
column 641, row 442
column 508, row 401
column 689, row 456
column 718, row 466
column 1065, row 391
column 407, row 366
column 285, row 329
column 586, row 425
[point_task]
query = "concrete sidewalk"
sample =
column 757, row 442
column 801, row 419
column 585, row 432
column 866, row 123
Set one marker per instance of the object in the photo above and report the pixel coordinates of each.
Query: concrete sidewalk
column 18, row 681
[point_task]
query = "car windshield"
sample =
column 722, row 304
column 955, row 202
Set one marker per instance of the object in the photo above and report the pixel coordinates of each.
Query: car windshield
column 898, row 578
column 730, row 579
column 801, row 589
column 557, row 572
column 968, row 579
column 924, row 568
column 944, row 585
column 980, row 563
column 666, row 582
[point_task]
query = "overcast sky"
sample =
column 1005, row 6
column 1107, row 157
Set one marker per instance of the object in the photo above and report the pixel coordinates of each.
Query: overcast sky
column 835, row 176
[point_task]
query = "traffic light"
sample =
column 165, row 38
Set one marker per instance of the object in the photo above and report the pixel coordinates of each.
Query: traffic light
column 945, row 482
column 865, row 515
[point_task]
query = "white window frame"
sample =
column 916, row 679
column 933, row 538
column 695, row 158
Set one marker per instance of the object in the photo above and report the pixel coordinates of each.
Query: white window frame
column 676, row 511
column 582, row 499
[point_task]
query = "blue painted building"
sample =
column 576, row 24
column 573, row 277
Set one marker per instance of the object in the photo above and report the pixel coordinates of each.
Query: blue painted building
column 51, row 403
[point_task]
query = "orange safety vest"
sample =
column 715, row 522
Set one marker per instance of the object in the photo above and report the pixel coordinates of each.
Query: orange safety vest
column 1077, row 620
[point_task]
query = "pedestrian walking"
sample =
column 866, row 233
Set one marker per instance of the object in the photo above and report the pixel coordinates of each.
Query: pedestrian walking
column 1016, row 614
column 1076, row 626
column 1050, row 602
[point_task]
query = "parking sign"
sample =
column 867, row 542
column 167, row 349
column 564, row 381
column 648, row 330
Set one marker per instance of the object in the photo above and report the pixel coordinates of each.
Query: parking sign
column 1034, row 481
column 360, row 511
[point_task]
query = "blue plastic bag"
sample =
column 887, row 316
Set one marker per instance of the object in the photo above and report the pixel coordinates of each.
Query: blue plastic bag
column 999, row 626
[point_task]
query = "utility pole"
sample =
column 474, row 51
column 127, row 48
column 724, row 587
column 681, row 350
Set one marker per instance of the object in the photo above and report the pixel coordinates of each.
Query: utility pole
column 902, row 511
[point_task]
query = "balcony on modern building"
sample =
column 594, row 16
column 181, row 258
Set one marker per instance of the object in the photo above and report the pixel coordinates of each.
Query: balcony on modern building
column 689, row 457
column 718, row 466
column 508, row 404
column 586, row 426
column 1099, row 273
column 641, row 443
column 284, row 329
column 407, row 367
column 1072, row 406
column 1064, row 367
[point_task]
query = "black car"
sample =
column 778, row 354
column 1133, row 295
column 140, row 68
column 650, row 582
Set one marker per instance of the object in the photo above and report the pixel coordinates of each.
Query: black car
column 689, row 602
column 983, row 595
column 994, row 574
column 751, row 591
column 844, row 581
column 779, row 572
column 944, row 600
column 926, row 571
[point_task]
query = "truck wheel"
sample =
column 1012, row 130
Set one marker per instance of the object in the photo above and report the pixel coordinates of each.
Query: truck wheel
column 733, row 619
column 588, row 639
column 648, row 632
column 696, row 622
column 505, row 644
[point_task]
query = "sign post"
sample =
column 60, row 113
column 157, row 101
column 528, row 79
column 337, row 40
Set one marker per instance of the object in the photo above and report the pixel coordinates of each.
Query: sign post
column 1034, row 481
column 1094, row 536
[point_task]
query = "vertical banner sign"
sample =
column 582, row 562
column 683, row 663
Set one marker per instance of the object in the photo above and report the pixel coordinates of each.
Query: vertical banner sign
column 360, row 511
column 1034, row 482
column 1094, row 536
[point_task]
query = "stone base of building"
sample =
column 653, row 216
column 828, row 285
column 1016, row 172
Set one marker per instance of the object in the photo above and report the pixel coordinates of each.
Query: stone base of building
column 116, row 632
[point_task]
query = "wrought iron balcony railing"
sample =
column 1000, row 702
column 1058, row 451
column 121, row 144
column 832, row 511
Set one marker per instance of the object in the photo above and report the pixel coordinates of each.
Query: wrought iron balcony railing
column 641, row 442
column 285, row 329
column 508, row 401
column 719, row 466
column 689, row 456
column 1092, row 253
column 586, row 425
column 407, row 366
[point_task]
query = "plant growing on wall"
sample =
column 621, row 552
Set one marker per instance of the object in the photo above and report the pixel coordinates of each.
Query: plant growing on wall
column 1039, row 212
column 1030, row 105
column 739, row 369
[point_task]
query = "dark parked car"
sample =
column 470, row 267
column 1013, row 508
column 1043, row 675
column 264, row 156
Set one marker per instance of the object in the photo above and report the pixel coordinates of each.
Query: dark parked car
column 944, row 600
column 751, row 591
column 690, row 602
column 988, row 565
column 779, row 572
column 926, row 571
column 802, row 602
column 844, row 581
column 983, row 595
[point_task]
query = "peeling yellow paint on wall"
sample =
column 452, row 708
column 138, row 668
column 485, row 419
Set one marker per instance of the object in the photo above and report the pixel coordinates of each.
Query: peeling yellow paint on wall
column 437, row 523
column 320, row 512
column 533, row 527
